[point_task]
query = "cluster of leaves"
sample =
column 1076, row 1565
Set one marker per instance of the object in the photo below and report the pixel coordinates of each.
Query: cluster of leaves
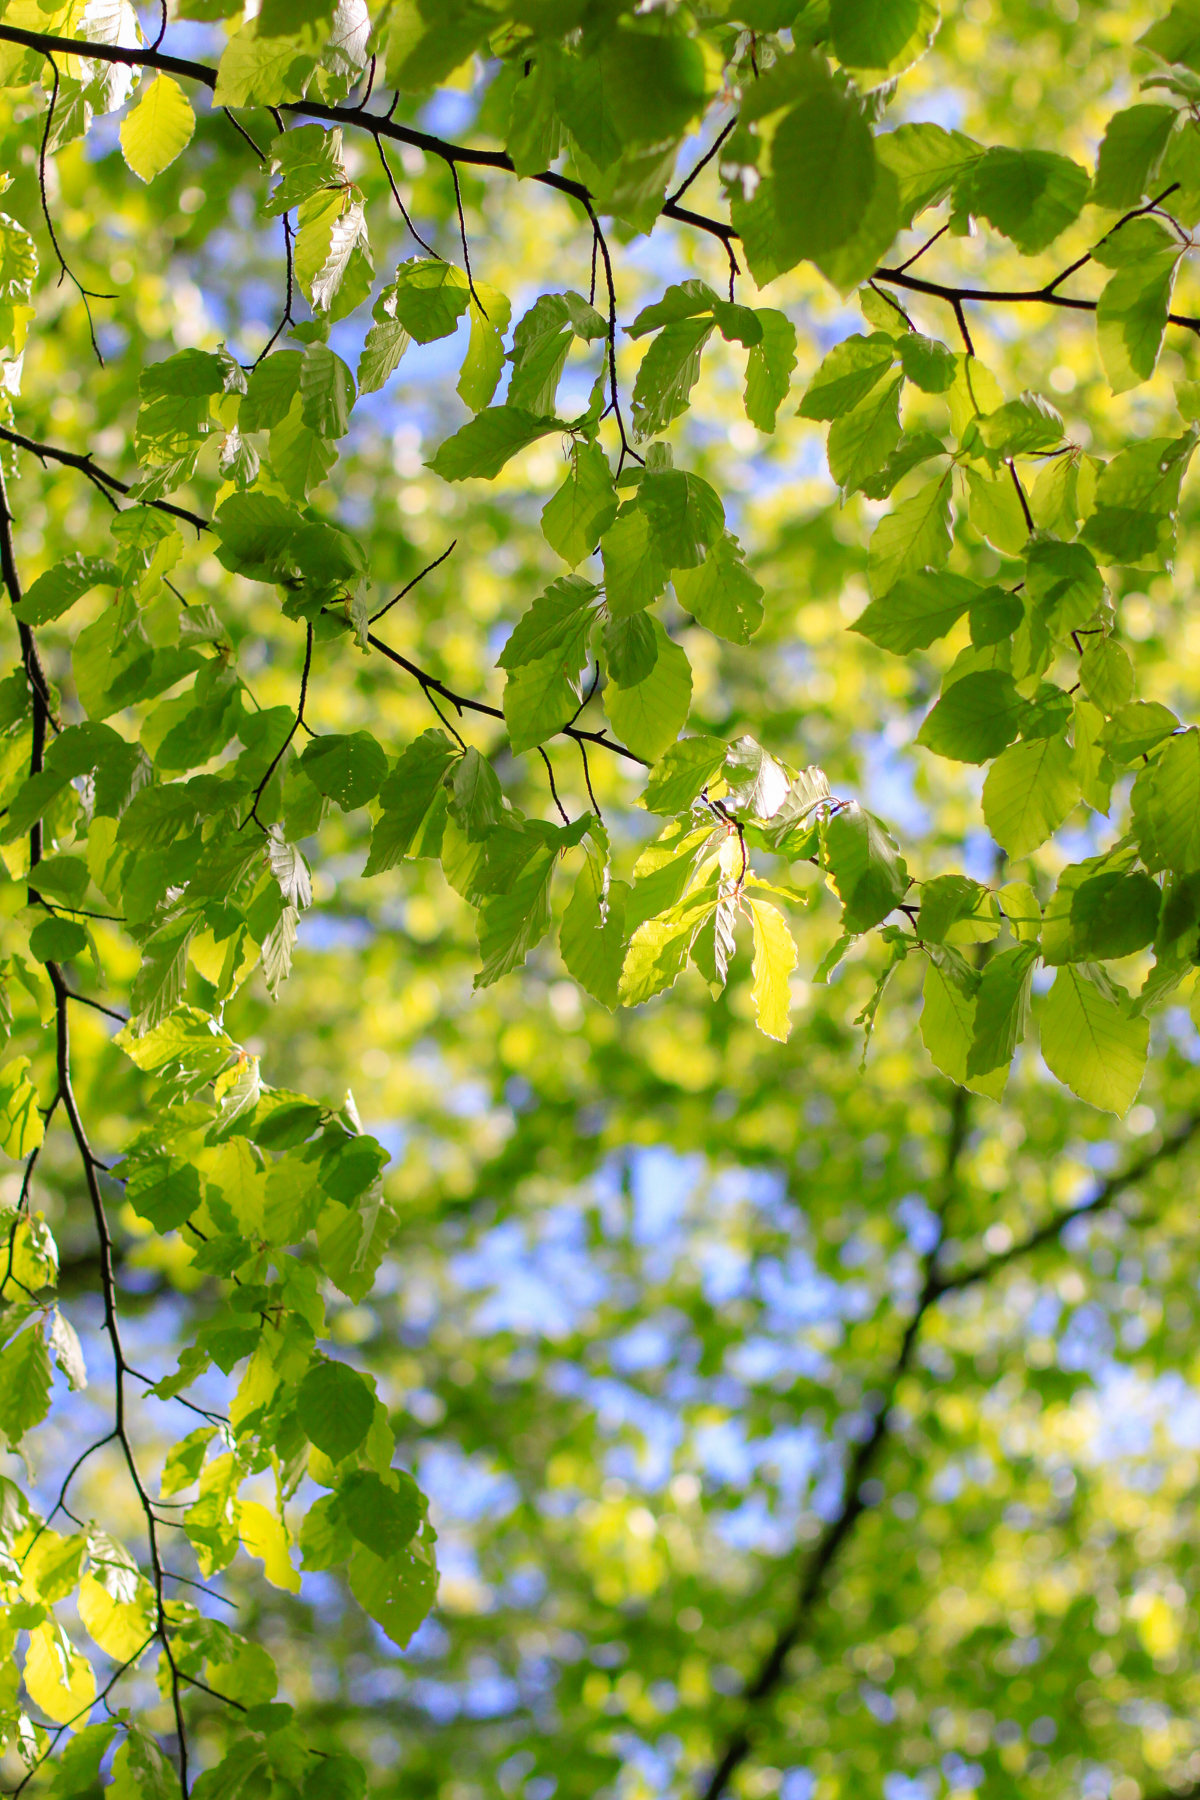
column 165, row 794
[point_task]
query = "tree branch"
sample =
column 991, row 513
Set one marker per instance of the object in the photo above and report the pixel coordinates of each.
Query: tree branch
column 934, row 1288
column 84, row 464
column 812, row 1581
column 378, row 125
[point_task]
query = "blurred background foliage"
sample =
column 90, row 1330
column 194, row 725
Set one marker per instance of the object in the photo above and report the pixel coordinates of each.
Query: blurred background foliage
column 653, row 1271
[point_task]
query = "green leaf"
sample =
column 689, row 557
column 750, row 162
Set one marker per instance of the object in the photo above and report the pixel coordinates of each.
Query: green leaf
column 847, row 375
column 1137, row 497
column 1029, row 196
column 680, row 773
column 577, row 516
column 380, row 1514
column 57, row 940
column 24, row 1382
column 915, row 536
column 407, row 797
column 1134, row 141
column 477, row 802
column 1166, row 806
column 769, row 367
column 918, row 610
column 336, row 1777
column 256, row 70
column 774, row 960
column 930, row 365
column 270, row 390
column 1106, row 674
column 1131, row 318
column 861, row 441
column 634, row 571
column 658, row 949
column 824, row 168
column 974, row 719
column 326, row 392
column 347, row 768
column 381, row 355
column 158, row 129
column 685, row 514
column 721, row 594
column 630, row 648
column 165, row 1191
column 21, row 1127
column 396, row 1591
column 425, row 46
column 948, row 1030
column 1091, row 1041
column 926, row 162
column 880, row 38
column 1066, row 584
column 539, row 353
column 592, row 938
column 300, row 458
column 1176, row 39
column 668, row 373
column 53, row 593
column 484, row 361
column 185, row 1460
column 868, row 870
column 511, row 923
column 542, row 696
column 1001, row 1009
column 1028, row 793
column 650, row 714
column 334, row 1408
column 1022, row 426
column 485, row 443
column 1136, row 728
column 559, row 618
column 945, row 901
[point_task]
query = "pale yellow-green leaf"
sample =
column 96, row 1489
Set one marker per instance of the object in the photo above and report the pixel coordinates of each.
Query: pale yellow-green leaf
column 1092, row 1042
column 59, row 1680
column 263, row 1536
column 121, row 1630
column 21, row 1127
column 158, row 129
column 774, row 960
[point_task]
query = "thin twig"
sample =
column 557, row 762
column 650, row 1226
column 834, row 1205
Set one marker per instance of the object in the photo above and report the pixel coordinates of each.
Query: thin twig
column 712, row 150
column 404, row 213
column 562, row 811
column 85, row 294
column 427, row 570
column 298, row 721
column 462, row 228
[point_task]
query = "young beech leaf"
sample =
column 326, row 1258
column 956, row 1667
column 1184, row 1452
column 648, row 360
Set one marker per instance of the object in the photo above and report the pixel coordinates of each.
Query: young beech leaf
column 349, row 769
column 21, row 1125
column 158, row 129
column 916, row 535
column 651, row 713
column 774, row 960
column 1028, row 195
column 680, row 773
column 24, row 1384
column 769, row 367
column 918, row 610
column 948, row 1030
column 264, row 1536
column 974, row 719
column 397, row 1591
column 577, row 516
column 59, row 1680
column 334, row 1408
column 865, row 864
column 1092, row 1041
column 1133, row 143
column 1001, row 1009
column 185, row 1460
column 847, row 375
column 592, row 938
column 1028, row 793
column 482, row 446
column 383, row 1511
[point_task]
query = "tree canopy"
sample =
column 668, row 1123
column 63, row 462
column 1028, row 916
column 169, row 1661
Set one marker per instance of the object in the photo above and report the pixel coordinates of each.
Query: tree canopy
column 600, row 899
